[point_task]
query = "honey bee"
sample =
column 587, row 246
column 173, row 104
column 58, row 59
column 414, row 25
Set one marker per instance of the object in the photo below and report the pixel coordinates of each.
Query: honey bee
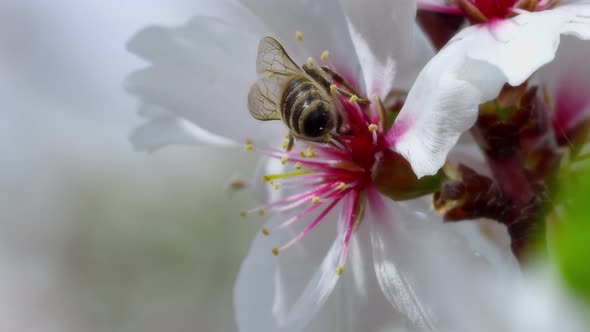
column 302, row 99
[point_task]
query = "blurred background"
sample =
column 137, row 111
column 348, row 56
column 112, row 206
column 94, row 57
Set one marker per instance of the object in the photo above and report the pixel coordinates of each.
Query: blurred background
column 95, row 236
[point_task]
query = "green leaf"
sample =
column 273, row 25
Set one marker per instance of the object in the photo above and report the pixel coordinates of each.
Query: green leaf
column 572, row 231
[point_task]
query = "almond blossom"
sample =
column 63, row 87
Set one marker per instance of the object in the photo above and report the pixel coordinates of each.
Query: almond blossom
column 507, row 42
column 358, row 246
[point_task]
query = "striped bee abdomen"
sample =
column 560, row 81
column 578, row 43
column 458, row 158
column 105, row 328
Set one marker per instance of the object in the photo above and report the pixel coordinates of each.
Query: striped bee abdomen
column 305, row 109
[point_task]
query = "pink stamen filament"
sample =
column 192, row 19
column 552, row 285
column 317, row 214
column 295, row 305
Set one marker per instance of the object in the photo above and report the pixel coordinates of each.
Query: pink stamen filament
column 350, row 223
column 300, row 215
column 312, row 225
column 317, row 192
column 288, row 199
column 335, row 194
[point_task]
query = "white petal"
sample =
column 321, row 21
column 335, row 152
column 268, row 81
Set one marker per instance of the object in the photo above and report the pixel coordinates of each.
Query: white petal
column 202, row 72
column 166, row 131
column 396, row 280
column 470, row 70
column 316, row 292
column 432, row 272
column 322, row 25
column 382, row 33
column 358, row 303
column 254, row 290
column 579, row 26
column 270, row 290
column 164, row 128
column 441, row 105
column 517, row 46
column 271, row 293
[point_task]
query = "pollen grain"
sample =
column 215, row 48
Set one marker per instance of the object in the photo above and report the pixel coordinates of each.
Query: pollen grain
column 298, row 36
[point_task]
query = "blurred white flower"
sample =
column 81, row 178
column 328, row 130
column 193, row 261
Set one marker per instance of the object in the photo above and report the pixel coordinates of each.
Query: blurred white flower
column 508, row 41
column 567, row 82
column 399, row 253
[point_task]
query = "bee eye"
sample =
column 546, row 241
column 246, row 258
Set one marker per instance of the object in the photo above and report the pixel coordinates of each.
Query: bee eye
column 317, row 122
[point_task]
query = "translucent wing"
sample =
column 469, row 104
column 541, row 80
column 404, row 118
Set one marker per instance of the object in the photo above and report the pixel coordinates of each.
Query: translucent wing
column 275, row 68
column 273, row 60
column 263, row 98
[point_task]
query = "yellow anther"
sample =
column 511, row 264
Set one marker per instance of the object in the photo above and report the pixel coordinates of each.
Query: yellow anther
column 297, row 165
column 327, row 137
column 287, row 135
column 309, row 153
column 298, row 35
column 275, row 251
column 265, row 232
column 309, row 62
column 285, row 144
column 315, row 199
column 248, row 146
column 372, row 127
column 341, row 186
column 284, row 160
column 302, row 154
column 333, row 89
column 243, row 214
column 261, row 212
column 339, row 270
column 353, row 99
column 276, row 186
column 325, row 55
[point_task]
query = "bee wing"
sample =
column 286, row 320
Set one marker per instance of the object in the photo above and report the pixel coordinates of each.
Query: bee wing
column 273, row 60
column 263, row 99
column 275, row 68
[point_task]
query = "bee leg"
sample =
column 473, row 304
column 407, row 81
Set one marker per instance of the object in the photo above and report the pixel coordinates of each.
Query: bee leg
column 347, row 94
column 291, row 143
column 349, row 91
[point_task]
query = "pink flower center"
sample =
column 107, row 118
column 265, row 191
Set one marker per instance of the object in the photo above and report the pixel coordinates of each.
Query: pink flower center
column 480, row 11
column 319, row 176
column 494, row 8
